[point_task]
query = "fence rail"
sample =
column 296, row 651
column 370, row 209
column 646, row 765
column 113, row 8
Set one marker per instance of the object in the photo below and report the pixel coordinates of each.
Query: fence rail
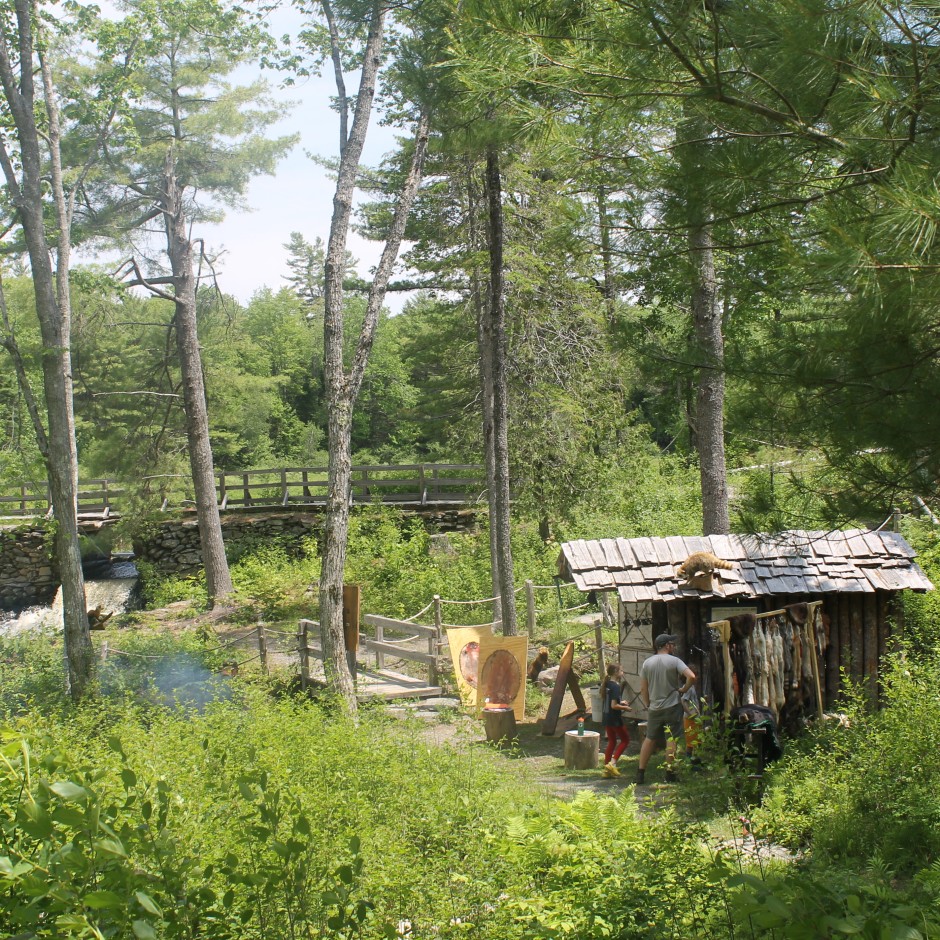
column 295, row 487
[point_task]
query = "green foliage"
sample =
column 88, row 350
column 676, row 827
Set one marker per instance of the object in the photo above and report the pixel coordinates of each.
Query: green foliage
column 598, row 869
column 830, row 903
column 867, row 791
column 162, row 590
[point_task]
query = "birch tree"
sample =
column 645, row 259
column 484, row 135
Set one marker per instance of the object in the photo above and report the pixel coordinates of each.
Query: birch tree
column 31, row 161
column 198, row 141
column 344, row 380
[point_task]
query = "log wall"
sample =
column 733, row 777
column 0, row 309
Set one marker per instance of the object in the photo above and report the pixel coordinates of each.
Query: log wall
column 859, row 629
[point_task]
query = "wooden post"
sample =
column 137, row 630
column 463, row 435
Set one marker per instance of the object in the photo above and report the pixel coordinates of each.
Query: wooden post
column 811, row 623
column 530, row 606
column 870, row 646
column 379, row 638
column 262, row 648
column 352, row 603
column 599, row 641
column 285, row 493
column 246, row 491
column 438, row 633
column 422, row 486
column 222, row 500
column 304, row 651
column 104, row 651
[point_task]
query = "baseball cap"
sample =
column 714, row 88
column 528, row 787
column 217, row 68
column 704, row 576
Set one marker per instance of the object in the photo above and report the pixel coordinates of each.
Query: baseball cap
column 665, row 638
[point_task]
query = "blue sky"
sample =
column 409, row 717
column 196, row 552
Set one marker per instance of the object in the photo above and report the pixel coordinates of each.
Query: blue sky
column 299, row 196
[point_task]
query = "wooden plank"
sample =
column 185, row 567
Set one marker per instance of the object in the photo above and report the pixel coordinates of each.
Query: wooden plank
column 856, row 544
column 574, row 686
column 677, row 550
column 642, row 548
column 663, row 552
column 558, row 693
column 580, row 556
column 399, row 652
column 399, row 626
column 875, row 543
column 832, row 654
column 857, row 633
column 870, row 645
column 612, row 558
column 598, row 558
column 627, row 553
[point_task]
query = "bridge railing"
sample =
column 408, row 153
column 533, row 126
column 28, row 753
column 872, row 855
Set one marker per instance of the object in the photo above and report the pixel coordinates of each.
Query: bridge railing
column 95, row 497
column 411, row 484
column 422, row 484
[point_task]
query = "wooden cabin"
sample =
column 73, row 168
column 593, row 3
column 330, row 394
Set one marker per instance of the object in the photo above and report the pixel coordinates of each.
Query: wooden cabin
column 855, row 574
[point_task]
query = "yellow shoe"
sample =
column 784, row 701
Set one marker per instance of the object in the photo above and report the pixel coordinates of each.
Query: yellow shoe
column 610, row 770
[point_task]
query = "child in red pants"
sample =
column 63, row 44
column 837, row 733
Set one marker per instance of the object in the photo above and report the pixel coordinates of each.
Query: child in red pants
column 617, row 735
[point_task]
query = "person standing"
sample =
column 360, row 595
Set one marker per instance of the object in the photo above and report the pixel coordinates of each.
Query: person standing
column 664, row 679
column 617, row 735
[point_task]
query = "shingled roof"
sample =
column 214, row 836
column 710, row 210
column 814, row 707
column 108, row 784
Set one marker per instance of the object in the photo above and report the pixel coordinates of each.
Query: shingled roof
column 793, row 562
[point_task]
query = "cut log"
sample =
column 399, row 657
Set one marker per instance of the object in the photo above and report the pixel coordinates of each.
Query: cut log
column 581, row 750
column 500, row 724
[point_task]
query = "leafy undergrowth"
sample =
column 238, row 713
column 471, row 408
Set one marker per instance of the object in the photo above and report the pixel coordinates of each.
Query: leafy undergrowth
column 257, row 814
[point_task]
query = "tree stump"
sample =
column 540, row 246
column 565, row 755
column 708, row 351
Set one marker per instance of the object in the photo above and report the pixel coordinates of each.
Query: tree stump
column 581, row 750
column 500, row 724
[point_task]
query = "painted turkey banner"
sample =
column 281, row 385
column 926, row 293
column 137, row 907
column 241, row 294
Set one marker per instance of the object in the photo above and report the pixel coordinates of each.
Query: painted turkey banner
column 490, row 669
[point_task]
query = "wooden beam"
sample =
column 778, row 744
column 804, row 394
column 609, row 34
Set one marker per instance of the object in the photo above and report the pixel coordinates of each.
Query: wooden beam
column 558, row 693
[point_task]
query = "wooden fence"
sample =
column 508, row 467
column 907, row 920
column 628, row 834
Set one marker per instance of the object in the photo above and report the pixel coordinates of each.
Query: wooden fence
column 397, row 645
column 400, row 484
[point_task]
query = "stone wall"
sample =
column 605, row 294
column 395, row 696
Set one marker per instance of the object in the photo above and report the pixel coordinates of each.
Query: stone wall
column 172, row 547
column 28, row 575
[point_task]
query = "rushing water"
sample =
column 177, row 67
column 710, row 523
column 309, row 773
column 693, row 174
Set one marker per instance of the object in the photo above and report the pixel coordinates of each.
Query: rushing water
column 114, row 592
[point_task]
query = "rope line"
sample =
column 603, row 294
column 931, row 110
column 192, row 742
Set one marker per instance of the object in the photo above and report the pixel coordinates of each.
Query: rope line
column 461, row 626
column 423, row 610
column 112, row 649
column 488, row 600
column 232, row 642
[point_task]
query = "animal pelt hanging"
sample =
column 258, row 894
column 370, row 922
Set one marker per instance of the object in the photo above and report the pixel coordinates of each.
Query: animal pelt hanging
column 797, row 613
column 742, row 626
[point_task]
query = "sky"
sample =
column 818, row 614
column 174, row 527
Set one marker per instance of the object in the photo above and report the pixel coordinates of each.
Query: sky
column 299, row 196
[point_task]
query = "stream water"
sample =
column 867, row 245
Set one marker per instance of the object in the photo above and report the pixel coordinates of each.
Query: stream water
column 112, row 586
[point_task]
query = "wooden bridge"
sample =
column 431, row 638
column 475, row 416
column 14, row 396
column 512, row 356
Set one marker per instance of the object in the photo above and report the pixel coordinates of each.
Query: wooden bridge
column 405, row 485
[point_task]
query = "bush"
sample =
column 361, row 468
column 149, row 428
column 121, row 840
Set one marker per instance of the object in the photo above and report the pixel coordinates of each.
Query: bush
column 867, row 791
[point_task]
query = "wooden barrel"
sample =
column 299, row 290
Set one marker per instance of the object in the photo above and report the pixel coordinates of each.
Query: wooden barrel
column 581, row 750
column 500, row 724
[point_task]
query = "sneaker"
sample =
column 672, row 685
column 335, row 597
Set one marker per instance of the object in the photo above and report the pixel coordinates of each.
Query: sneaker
column 641, row 776
column 671, row 776
column 610, row 770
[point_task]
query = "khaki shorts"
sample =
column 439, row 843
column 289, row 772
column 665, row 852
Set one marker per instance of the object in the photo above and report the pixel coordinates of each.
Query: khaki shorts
column 662, row 719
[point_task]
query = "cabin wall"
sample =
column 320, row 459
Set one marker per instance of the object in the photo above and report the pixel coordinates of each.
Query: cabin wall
column 858, row 628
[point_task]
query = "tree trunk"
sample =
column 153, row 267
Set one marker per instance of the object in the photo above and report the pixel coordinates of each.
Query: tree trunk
column 180, row 252
column 607, row 260
column 710, row 403
column 485, row 360
column 26, row 192
column 692, row 138
column 499, row 494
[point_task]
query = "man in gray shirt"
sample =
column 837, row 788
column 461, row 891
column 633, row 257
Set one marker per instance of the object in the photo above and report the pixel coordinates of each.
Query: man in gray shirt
column 664, row 680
